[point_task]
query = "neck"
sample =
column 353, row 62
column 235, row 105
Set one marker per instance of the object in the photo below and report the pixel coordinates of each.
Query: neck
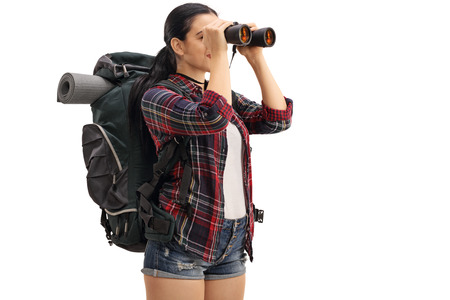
column 196, row 77
column 191, row 79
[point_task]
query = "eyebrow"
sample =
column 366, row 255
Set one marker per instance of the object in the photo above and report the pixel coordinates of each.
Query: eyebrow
column 201, row 31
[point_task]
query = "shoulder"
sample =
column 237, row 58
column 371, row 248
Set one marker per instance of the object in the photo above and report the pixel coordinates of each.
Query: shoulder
column 158, row 92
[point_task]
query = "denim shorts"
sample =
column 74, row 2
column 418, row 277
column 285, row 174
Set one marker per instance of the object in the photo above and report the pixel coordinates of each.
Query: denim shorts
column 170, row 260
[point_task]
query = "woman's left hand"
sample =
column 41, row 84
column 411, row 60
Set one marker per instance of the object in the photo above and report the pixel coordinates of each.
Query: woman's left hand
column 250, row 52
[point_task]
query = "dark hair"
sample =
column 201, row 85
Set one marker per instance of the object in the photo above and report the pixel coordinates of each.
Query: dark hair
column 177, row 25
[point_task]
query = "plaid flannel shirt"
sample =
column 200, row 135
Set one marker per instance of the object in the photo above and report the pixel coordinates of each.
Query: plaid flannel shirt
column 205, row 117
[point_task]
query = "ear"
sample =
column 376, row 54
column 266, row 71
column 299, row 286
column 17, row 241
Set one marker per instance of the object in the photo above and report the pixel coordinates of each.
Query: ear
column 177, row 46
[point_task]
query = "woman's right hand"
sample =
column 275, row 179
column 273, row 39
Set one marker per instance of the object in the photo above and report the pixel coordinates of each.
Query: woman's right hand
column 214, row 36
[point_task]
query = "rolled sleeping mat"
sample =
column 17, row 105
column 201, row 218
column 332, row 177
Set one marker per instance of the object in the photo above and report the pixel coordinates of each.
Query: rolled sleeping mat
column 76, row 88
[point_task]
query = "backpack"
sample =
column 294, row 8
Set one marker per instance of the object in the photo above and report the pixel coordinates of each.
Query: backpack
column 120, row 178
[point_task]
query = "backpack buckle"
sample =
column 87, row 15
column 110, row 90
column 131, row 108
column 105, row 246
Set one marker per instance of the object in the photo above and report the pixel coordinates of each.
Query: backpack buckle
column 120, row 70
column 259, row 215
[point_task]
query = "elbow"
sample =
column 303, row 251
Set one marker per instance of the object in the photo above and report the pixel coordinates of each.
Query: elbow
column 216, row 116
column 213, row 121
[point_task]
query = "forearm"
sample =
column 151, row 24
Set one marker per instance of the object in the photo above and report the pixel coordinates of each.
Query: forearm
column 219, row 80
column 271, row 93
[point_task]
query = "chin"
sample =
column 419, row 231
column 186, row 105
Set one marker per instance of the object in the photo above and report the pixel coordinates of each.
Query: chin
column 206, row 69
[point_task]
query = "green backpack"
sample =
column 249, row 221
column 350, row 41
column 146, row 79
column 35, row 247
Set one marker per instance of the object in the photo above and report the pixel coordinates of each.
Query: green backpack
column 120, row 179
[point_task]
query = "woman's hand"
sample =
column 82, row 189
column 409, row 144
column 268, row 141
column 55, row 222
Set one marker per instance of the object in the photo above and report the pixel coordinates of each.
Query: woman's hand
column 251, row 53
column 214, row 36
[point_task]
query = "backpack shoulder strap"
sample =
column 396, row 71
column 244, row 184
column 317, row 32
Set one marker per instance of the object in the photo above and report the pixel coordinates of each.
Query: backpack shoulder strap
column 173, row 151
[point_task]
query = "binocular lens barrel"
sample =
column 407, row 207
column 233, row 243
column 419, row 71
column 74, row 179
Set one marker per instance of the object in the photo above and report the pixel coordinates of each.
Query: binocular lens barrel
column 264, row 37
column 241, row 35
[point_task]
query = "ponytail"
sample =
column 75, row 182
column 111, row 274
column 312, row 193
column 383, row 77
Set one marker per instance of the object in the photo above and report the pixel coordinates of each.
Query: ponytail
column 163, row 65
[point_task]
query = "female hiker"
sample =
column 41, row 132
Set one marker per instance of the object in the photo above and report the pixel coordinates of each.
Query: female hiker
column 206, row 257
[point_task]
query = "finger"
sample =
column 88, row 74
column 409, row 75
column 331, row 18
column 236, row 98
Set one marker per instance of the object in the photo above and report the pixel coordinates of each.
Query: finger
column 221, row 25
column 225, row 25
column 218, row 23
column 252, row 26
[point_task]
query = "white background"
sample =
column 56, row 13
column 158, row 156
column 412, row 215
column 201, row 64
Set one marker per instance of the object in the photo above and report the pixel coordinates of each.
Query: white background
column 356, row 193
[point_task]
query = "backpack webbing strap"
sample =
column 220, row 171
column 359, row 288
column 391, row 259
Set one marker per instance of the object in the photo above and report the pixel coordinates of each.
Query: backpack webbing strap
column 187, row 175
column 104, row 222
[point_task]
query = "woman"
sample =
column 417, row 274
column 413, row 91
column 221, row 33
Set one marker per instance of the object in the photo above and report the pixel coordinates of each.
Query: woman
column 206, row 258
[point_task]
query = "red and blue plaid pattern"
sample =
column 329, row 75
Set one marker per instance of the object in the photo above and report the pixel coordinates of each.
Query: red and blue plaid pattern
column 205, row 117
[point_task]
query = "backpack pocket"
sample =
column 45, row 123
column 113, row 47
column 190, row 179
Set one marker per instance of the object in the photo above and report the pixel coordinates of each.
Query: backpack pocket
column 124, row 229
column 107, row 181
column 162, row 225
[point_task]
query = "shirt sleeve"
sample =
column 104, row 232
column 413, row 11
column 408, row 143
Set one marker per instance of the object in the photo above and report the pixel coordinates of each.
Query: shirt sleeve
column 173, row 114
column 261, row 119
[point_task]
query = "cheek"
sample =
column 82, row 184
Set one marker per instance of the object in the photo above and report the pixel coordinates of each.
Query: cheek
column 198, row 52
column 197, row 46
column 200, row 48
column 196, row 55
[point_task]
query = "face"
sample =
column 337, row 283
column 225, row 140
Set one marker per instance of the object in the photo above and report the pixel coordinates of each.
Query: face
column 193, row 58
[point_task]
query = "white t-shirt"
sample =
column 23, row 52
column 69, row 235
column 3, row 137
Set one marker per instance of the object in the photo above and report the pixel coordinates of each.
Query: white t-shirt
column 233, row 179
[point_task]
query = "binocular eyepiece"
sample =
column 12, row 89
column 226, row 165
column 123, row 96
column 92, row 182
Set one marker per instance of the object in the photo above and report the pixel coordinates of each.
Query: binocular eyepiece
column 241, row 35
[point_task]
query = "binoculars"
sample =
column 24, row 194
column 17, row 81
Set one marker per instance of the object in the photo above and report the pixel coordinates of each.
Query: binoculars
column 241, row 35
